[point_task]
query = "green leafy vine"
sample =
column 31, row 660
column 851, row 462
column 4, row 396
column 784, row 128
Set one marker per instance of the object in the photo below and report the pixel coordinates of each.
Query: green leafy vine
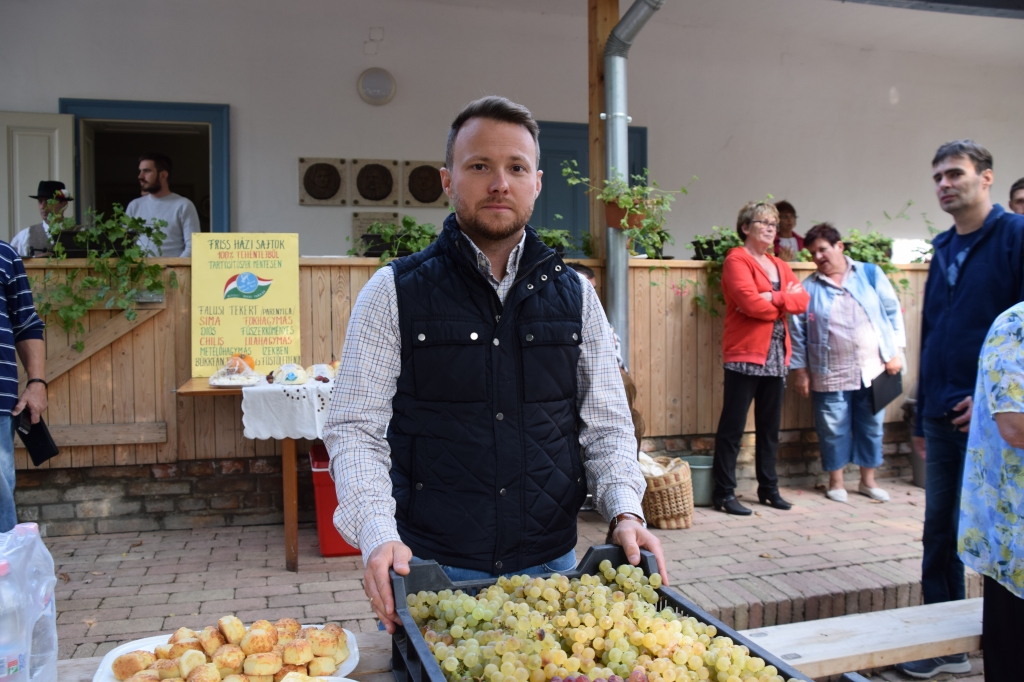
column 117, row 274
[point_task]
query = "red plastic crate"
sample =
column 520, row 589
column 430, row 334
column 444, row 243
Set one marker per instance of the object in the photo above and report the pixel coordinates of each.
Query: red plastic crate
column 331, row 542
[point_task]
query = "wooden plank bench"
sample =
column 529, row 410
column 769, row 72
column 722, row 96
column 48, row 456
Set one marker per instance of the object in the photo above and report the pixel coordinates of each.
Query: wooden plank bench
column 833, row 646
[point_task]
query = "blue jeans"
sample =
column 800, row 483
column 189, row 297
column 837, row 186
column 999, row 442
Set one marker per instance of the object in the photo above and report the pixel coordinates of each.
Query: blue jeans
column 562, row 564
column 942, row 572
column 8, row 513
column 848, row 431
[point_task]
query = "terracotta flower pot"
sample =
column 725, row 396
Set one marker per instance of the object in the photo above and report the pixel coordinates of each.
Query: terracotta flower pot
column 614, row 214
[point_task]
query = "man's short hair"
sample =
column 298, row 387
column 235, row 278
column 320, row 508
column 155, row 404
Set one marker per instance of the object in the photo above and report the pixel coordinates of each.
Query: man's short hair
column 979, row 156
column 161, row 162
column 826, row 231
column 1016, row 187
column 751, row 211
column 582, row 269
column 784, row 207
column 496, row 109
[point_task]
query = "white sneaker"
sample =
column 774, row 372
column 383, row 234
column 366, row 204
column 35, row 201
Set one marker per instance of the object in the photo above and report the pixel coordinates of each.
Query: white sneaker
column 873, row 493
column 838, row 495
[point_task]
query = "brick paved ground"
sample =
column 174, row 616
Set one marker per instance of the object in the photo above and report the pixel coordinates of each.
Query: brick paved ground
column 818, row 560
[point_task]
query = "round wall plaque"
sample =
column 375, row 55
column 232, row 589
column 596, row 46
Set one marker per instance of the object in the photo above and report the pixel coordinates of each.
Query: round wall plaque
column 321, row 181
column 376, row 86
column 374, row 182
column 425, row 184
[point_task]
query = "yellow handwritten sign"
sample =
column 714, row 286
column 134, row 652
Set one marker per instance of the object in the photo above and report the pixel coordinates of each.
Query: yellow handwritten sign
column 245, row 299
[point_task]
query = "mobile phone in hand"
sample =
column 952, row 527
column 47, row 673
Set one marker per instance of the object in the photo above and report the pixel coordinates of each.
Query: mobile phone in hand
column 25, row 421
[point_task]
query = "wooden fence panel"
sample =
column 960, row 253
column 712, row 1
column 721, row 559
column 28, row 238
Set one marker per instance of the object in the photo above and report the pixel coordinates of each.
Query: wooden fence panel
column 675, row 361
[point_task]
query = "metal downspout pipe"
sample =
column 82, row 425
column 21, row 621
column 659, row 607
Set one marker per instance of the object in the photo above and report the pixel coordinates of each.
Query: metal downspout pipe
column 617, row 141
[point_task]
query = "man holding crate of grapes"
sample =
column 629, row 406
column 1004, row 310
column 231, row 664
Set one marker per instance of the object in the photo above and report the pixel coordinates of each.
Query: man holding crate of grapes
column 478, row 396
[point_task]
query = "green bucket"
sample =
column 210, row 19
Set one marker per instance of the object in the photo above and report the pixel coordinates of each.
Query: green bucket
column 700, row 475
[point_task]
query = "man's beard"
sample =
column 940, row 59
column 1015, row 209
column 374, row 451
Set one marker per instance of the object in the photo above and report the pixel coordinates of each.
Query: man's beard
column 496, row 230
column 151, row 189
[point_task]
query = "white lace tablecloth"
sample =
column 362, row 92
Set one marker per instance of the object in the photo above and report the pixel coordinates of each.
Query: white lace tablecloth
column 282, row 411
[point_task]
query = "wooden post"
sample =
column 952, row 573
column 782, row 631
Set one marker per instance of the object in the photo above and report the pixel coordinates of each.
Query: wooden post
column 602, row 15
column 291, row 504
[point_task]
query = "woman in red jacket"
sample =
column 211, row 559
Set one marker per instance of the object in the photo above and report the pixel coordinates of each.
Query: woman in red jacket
column 759, row 291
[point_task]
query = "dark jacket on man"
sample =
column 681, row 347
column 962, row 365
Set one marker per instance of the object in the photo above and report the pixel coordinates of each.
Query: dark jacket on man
column 487, row 472
column 956, row 319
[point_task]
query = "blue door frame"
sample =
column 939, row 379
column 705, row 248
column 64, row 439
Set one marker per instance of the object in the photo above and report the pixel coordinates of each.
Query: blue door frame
column 216, row 115
column 570, row 141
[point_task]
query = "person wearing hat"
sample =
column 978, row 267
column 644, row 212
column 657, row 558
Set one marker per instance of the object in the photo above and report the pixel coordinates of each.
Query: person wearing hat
column 35, row 240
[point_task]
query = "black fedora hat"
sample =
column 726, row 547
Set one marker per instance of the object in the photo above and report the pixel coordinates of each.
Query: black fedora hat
column 48, row 189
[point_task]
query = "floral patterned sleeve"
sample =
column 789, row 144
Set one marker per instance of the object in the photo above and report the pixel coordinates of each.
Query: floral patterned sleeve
column 1002, row 364
column 992, row 496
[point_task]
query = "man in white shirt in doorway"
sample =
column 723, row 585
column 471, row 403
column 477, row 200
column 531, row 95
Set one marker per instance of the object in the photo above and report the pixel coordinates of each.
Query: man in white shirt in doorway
column 160, row 203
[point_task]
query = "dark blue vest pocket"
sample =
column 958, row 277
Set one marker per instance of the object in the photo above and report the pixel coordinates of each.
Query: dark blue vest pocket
column 550, row 350
column 450, row 360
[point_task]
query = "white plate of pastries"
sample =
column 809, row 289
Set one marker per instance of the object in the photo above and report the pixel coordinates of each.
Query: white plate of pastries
column 283, row 651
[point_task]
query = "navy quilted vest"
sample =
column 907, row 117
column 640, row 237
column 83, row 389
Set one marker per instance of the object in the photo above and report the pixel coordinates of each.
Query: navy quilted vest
column 486, row 466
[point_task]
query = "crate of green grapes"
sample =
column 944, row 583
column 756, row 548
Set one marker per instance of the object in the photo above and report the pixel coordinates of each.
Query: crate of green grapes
column 606, row 621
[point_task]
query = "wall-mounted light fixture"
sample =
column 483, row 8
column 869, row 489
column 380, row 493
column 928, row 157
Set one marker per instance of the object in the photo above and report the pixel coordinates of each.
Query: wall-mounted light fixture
column 376, row 86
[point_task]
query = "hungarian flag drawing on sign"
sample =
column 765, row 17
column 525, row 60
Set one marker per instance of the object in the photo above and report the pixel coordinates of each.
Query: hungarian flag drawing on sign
column 246, row 285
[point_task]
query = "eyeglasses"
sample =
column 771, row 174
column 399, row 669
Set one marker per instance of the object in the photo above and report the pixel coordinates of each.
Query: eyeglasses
column 771, row 226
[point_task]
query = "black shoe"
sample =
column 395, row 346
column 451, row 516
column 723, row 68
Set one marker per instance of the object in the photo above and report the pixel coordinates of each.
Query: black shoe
column 930, row 667
column 773, row 499
column 731, row 505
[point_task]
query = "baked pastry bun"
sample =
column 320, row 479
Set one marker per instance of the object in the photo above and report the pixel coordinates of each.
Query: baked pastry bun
column 260, row 678
column 204, row 673
column 283, row 636
column 298, row 652
column 324, row 642
column 182, row 633
column 168, row 667
column 257, row 642
column 262, row 664
column 342, row 654
column 145, row 676
column 128, row 664
column 235, row 678
column 232, row 629
column 162, row 650
column 267, row 627
column 183, row 645
column 323, row 665
column 229, row 659
column 288, row 625
column 190, row 660
column 211, row 639
column 337, row 630
column 286, row 668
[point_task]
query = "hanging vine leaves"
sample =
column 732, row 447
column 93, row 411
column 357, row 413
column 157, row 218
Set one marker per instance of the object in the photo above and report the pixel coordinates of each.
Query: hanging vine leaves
column 118, row 270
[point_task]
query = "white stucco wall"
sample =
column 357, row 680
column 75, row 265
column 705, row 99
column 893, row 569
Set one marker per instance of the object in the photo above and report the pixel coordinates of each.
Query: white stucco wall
column 837, row 107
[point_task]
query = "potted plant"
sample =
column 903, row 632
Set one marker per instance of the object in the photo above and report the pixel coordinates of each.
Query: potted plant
column 711, row 248
column 118, row 274
column 388, row 240
column 638, row 209
column 559, row 240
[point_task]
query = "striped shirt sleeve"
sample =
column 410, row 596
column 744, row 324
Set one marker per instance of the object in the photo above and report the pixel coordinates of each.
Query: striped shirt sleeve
column 21, row 310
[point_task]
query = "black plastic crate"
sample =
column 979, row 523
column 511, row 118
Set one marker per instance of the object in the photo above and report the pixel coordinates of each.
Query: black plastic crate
column 412, row 660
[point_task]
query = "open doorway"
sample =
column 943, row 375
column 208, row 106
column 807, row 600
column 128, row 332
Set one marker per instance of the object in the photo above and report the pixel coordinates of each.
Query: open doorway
column 178, row 129
column 110, row 161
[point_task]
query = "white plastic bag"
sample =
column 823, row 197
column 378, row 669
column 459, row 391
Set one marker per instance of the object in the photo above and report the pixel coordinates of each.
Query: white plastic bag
column 28, row 622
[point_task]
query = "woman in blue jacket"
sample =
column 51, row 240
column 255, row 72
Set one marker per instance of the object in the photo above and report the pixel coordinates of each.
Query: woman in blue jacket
column 851, row 332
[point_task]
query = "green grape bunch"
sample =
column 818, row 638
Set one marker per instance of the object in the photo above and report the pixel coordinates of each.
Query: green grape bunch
column 595, row 628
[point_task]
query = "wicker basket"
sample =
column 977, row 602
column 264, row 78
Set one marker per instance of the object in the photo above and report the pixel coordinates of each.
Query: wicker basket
column 668, row 502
